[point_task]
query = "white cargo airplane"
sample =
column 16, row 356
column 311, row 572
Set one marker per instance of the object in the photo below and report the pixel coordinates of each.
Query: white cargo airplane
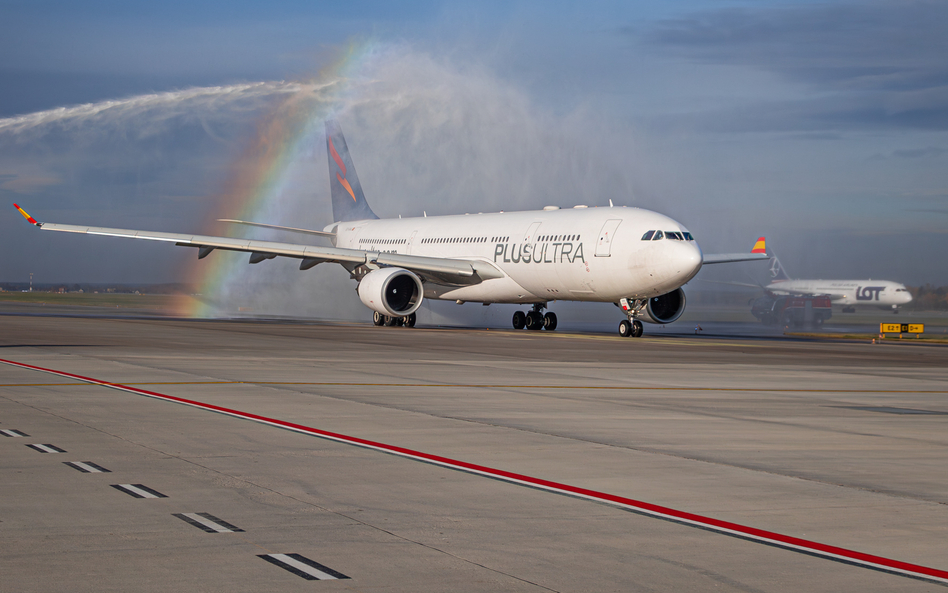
column 634, row 258
column 883, row 294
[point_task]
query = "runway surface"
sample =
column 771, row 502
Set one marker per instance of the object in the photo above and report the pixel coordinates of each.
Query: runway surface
column 432, row 460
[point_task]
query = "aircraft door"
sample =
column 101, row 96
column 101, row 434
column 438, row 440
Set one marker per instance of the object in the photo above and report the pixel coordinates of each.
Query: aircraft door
column 411, row 242
column 606, row 236
column 531, row 235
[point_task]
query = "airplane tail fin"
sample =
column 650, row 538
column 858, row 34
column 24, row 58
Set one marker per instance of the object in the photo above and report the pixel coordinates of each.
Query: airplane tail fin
column 348, row 201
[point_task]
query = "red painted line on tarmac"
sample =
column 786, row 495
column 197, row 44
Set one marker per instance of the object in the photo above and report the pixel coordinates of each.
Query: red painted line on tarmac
column 708, row 523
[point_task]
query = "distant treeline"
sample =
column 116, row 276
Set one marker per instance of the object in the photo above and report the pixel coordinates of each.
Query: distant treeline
column 170, row 288
column 928, row 298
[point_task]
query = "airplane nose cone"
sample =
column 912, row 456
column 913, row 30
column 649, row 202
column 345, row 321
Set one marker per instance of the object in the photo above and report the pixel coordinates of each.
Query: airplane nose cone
column 689, row 259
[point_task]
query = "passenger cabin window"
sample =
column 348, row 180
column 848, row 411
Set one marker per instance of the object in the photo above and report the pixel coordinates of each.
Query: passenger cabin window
column 658, row 236
column 648, row 236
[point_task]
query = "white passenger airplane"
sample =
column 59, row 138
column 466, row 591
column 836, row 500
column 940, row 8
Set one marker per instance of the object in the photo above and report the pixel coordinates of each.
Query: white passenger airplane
column 634, row 258
column 883, row 294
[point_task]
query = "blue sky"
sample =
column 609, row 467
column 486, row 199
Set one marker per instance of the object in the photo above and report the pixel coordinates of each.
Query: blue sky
column 823, row 125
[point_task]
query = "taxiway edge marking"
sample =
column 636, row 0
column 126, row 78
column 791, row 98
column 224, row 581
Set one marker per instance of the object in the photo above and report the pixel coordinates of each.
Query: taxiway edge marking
column 771, row 538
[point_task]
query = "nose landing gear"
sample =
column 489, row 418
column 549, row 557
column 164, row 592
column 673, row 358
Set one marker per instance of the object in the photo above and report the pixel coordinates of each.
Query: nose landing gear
column 631, row 327
column 535, row 319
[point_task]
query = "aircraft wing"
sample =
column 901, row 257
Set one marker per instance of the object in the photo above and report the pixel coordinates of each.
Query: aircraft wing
column 746, row 284
column 454, row 271
column 758, row 252
column 288, row 229
column 723, row 258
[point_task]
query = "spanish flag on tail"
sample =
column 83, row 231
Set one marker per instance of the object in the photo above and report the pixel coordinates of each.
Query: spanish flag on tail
column 760, row 246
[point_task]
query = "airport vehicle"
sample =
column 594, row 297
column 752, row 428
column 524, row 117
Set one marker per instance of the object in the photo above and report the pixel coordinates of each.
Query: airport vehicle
column 883, row 294
column 793, row 311
column 635, row 258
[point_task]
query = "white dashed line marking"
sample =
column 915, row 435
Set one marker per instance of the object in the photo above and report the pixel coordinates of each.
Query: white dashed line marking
column 87, row 467
column 208, row 522
column 138, row 491
column 47, row 448
column 303, row 567
column 13, row 433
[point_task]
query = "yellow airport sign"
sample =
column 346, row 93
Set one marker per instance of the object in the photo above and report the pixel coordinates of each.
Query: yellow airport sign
column 901, row 328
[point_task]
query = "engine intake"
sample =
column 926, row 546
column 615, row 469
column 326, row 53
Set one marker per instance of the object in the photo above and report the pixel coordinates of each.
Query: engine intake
column 391, row 291
column 665, row 308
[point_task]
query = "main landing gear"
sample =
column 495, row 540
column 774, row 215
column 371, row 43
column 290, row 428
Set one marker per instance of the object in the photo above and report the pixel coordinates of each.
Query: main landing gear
column 631, row 327
column 389, row 321
column 535, row 319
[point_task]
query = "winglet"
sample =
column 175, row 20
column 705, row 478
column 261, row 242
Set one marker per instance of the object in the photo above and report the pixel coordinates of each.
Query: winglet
column 27, row 216
column 760, row 246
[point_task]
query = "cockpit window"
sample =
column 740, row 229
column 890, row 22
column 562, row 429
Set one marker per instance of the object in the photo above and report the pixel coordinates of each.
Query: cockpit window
column 648, row 236
column 658, row 235
column 688, row 236
column 674, row 235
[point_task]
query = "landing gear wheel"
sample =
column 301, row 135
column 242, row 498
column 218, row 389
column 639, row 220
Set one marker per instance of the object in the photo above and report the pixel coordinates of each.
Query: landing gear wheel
column 519, row 320
column 390, row 321
column 625, row 328
column 410, row 320
column 637, row 329
column 534, row 320
column 378, row 318
column 549, row 321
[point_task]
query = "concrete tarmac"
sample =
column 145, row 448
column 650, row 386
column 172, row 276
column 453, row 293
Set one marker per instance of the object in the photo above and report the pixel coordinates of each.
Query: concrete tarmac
column 839, row 443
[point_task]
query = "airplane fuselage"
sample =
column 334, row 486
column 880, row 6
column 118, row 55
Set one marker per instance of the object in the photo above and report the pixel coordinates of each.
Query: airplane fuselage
column 848, row 293
column 576, row 254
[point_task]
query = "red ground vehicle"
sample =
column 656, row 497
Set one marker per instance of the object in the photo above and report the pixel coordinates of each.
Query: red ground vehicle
column 793, row 311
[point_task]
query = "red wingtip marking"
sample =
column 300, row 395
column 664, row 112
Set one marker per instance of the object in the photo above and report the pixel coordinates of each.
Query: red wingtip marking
column 29, row 218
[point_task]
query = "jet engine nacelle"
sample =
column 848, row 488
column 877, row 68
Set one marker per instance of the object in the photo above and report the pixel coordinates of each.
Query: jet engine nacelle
column 391, row 291
column 665, row 308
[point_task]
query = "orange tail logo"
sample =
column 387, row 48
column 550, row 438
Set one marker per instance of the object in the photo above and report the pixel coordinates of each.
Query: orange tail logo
column 342, row 167
column 760, row 246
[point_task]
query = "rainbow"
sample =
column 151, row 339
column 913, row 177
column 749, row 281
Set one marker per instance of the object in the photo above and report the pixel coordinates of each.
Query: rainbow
column 258, row 175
